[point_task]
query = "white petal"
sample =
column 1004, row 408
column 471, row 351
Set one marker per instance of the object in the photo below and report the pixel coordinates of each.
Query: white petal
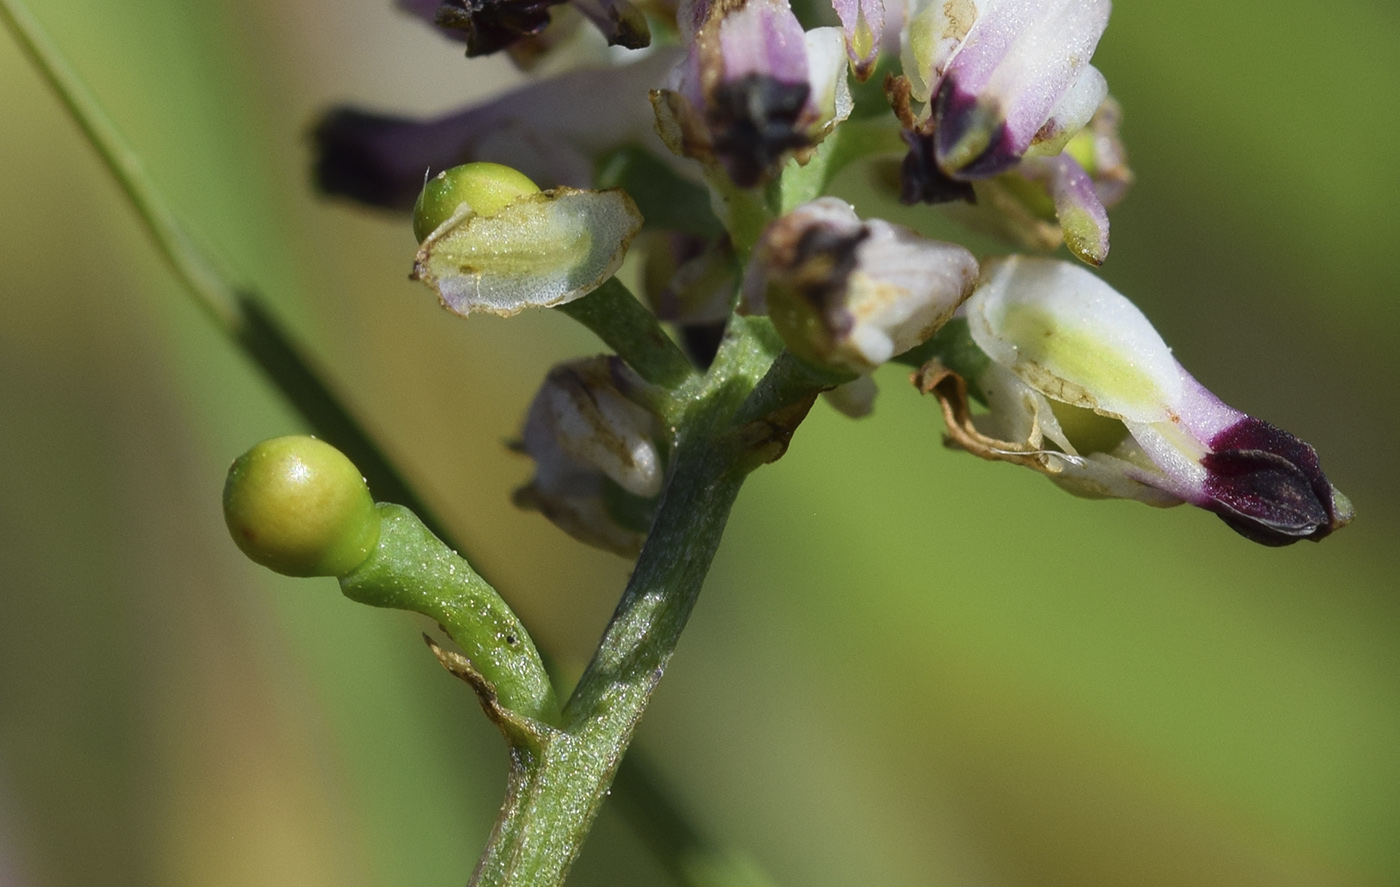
column 1074, row 338
column 1024, row 55
column 906, row 286
column 1072, row 112
column 855, row 399
column 594, row 424
column 826, row 66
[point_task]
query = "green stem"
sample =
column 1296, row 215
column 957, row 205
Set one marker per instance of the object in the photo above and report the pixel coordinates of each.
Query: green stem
column 554, row 798
column 555, row 794
column 848, row 142
column 790, row 380
column 624, row 325
column 411, row 569
column 742, row 211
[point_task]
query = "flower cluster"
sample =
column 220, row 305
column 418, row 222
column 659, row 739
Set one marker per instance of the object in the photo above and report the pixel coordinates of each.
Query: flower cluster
column 711, row 144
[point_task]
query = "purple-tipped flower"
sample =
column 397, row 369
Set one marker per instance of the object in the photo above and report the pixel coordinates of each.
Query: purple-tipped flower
column 551, row 130
column 1004, row 76
column 1081, row 388
column 851, row 294
column 753, row 87
column 1046, row 201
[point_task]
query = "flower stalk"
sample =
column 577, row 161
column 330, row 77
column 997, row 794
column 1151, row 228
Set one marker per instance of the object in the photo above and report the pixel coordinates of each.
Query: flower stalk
column 555, row 793
column 624, row 325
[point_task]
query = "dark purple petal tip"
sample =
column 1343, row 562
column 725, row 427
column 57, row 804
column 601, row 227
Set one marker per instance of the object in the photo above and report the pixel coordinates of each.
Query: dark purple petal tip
column 921, row 180
column 1268, row 486
column 372, row 158
column 755, row 121
column 971, row 136
column 489, row 26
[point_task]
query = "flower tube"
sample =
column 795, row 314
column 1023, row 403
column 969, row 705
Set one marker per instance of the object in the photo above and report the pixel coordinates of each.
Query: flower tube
column 552, row 129
column 1081, row 388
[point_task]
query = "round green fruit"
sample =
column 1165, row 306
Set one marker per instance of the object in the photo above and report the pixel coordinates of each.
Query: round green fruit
column 298, row 506
column 485, row 187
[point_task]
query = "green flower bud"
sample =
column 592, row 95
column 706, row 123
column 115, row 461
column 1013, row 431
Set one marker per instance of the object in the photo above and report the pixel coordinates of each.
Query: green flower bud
column 298, row 506
column 485, row 188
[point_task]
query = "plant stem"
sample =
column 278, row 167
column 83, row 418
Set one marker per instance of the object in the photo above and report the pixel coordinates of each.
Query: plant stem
column 554, row 795
column 553, row 799
column 411, row 569
column 615, row 315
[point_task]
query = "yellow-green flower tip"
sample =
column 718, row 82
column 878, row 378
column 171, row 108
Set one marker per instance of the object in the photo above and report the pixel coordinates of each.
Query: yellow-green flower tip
column 298, row 506
column 484, row 188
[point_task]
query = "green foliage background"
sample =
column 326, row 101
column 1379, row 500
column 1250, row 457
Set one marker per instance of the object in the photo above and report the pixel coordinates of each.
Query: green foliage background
column 909, row 667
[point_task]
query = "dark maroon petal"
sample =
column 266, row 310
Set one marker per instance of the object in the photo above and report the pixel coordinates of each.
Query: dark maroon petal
column 920, row 178
column 957, row 113
column 754, row 122
column 492, row 25
column 1267, row 485
column 621, row 22
column 822, row 264
column 377, row 159
column 383, row 160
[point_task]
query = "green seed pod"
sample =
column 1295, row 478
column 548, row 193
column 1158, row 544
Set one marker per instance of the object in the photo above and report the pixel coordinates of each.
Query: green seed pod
column 298, row 506
column 486, row 188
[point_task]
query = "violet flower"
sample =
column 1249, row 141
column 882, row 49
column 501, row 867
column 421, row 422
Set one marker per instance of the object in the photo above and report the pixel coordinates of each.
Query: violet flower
column 1046, row 201
column 1081, row 388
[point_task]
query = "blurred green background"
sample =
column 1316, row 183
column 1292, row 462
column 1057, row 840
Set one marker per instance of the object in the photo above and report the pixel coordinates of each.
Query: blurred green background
column 909, row 667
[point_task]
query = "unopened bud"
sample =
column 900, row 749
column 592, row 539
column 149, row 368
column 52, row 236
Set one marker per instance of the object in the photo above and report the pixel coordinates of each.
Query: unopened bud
column 851, row 294
column 598, row 466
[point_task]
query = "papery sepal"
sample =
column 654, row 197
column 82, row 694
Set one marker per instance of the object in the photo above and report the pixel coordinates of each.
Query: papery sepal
column 540, row 250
